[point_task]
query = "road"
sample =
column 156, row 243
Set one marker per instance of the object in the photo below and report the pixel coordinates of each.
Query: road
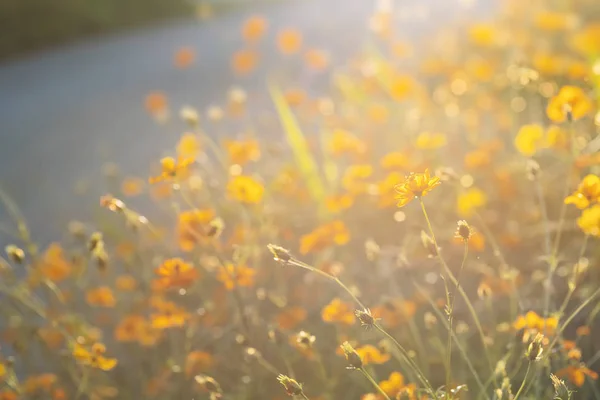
column 66, row 112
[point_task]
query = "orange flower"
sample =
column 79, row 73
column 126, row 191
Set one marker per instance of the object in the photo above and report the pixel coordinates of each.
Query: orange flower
column 174, row 273
column 53, row 337
column 483, row 34
column 232, row 276
column 172, row 169
column 338, row 311
column 470, row 200
column 290, row 317
column 244, row 61
column 395, row 160
column 584, row 330
column 533, row 321
column 589, row 221
column 197, row 362
column 193, row 228
column 245, row 189
column 554, row 21
column 53, row 265
column 184, row 57
column 168, row 315
column 343, row 142
column 430, row 141
column 126, row 283
column 572, row 102
column 101, row 297
column 576, row 374
column 94, row 357
column 242, row 151
column 338, row 203
column 130, row 328
column 189, row 146
column 395, row 384
column 156, row 103
column 333, row 233
column 395, row 312
column 132, row 186
column 415, row 185
column 8, row 395
column 289, row 41
column 587, row 192
column 316, row 59
column 39, row 383
column 354, row 178
column 254, row 28
column 370, row 354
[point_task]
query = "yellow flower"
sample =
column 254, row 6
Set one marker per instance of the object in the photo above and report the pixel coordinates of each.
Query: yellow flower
column 469, row 200
column 554, row 21
column 100, row 297
column 189, row 146
column 589, row 221
column 556, row 138
column 233, row 276
column 172, row 169
column 395, row 160
column 588, row 40
column 587, row 192
column 430, row 141
column 483, row 34
column 338, row 311
column 242, row 151
column 570, row 101
column 415, row 185
column 94, row 357
column 395, row 384
column 245, row 189
column 342, row 142
column 370, row 354
column 529, row 139
column 324, row 236
column 355, row 176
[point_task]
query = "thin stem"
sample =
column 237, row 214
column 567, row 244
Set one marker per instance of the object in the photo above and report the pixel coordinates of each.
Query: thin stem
column 304, row 396
column 379, row 389
column 463, row 294
column 523, row 382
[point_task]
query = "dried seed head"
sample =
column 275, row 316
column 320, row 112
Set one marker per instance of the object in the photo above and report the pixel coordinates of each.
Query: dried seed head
column 252, row 353
column 366, row 318
column 292, row 387
column 96, row 240
column 207, row 383
column 112, row 203
column 561, row 391
column 352, row 356
column 190, row 116
column 215, row 228
column 535, row 348
column 305, row 339
column 280, row 254
column 484, row 291
column 16, row 254
column 533, row 170
column 464, row 231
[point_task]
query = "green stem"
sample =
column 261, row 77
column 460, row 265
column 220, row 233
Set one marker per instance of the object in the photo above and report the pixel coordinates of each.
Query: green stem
column 523, row 382
column 379, row 389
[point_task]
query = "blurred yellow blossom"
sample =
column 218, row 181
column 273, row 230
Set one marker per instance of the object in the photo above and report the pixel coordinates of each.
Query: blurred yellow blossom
column 415, row 185
column 245, row 189
column 529, row 139
column 570, row 101
column 587, row 192
column 469, row 200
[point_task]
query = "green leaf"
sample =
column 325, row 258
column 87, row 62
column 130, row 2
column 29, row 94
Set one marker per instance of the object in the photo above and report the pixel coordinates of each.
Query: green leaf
column 297, row 141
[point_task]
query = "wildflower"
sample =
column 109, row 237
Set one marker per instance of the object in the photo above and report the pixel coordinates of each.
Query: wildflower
column 338, row 311
column 324, row 236
column 280, row 254
column 316, row 59
column 175, row 272
column 587, row 192
column 464, row 231
column 245, row 189
column 184, row 57
column 236, row 276
column 571, row 103
column 15, row 253
column 401, row 87
column 484, row 291
column 395, row 160
column 535, row 348
column 241, row 152
column 533, row 321
column 94, row 357
column 343, row 142
column 366, row 318
column 430, row 141
column 305, row 340
column 554, row 21
column 289, row 41
column 193, row 227
column 100, row 297
column 589, row 221
column 576, row 374
column 469, row 200
column 190, row 116
column 130, row 328
column 529, row 139
column 242, row 62
column 370, row 354
column 483, row 34
column 189, row 146
column 354, row 178
column 290, row 317
column 352, row 356
column 53, row 264
column 209, row 384
column 583, row 330
column 561, row 391
column 172, row 169
column 168, row 315
column 198, row 361
column 395, row 385
column 156, row 104
column 292, row 387
column 338, row 203
column 415, row 185
column 587, row 41
column 254, row 28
